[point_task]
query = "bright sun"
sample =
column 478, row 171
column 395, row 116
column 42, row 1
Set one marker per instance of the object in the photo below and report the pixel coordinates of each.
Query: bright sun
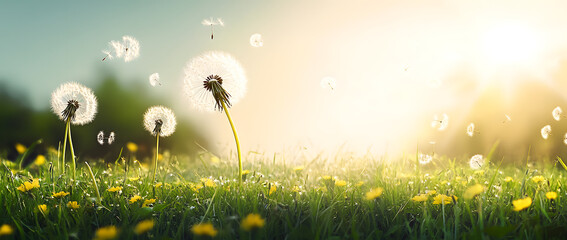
column 510, row 44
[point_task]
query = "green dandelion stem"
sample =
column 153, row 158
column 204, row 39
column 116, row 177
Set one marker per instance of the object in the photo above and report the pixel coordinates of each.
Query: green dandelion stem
column 236, row 140
column 67, row 126
column 99, row 199
column 157, row 155
column 73, row 165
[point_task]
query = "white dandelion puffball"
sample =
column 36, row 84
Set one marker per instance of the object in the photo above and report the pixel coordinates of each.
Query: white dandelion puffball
column 476, row 161
column 154, row 79
column 545, row 131
column 256, row 40
column 440, row 123
column 218, row 65
column 424, row 158
column 111, row 138
column 131, row 48
column 160, row 119
column 557, row 113
column 328, row 83
column 82, row 98
column 470, row 130
column 100, row 138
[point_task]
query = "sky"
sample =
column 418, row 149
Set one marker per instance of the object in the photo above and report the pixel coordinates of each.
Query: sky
column 396, row 63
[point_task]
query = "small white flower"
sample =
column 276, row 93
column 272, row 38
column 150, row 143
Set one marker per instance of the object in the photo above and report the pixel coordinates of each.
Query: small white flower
column 557, row 113
column 328, row 83
column 424, row 158
column 154, row 79
column 160, row 119
column 470, row 130
column 545, row 131
column 111, row 138
column 440, row 123
column 256, row 40
column 214, row 67
column 476, row 161
column 100, row 138
column 75, row 101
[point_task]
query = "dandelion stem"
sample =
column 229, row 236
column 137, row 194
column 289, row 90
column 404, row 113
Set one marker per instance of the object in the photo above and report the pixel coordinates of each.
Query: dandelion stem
column 157, row 155
column 99, row 199
column 72, row 152
column 67, row 126
column 236, row 140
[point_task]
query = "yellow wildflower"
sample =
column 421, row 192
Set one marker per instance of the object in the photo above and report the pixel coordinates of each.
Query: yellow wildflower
column 115, row 189
column 551, row 195
column 39, row 160
column 340, row 183
column 6, row 229
column 132, row 147
column 26, row 186
column 245, row 172
column 106, row 233
column 204, row 229
column 295, row 189
column 73, row 205
column 252, row 221
column 60, row 194
column 42, row 208
column 207, row 182
column 148, row 202
column 538, row 179
column 360, row 183
column 298, row 168
column 20, row 148
column 442, row 198
column 472, row 191
column 135, row 199
column 508, row 179
column 374, row 193
column 420, row 198
column 273, row 189
column 522, row 204
column 326, row 177
column 144, row 226
column 158, row 185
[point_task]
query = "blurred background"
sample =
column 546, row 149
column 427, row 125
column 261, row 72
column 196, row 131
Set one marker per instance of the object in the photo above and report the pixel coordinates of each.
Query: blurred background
column 500, row 65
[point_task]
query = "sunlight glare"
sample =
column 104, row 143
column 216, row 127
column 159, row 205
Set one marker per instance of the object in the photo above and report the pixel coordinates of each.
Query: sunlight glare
column 510, row 43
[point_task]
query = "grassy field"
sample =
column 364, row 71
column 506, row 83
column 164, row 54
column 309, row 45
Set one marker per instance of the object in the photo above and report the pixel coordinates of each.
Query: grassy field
column 341, row 197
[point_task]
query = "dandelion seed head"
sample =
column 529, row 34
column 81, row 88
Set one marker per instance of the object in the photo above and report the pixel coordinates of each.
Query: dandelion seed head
column 159, row 118
column 256, row 40
column 424, row 158
column 545, row 131
column 470, row 130
column 476, row 162
column 214, row 67
column 75, row 101
column 557, row 113
column 328, row 83
column 100, row 137
column 131, row 48
column 154, row 79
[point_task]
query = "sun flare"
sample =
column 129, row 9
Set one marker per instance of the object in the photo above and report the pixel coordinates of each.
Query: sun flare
column 510, row 43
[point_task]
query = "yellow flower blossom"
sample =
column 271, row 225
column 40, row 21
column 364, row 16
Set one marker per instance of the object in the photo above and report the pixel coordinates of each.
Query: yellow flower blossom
column 340, row 183
column 158, row 185
column 374, row 193
column 420, row 198
column 538, row 179
column 252, row 221
column 132, row 147
column 298, row 168
column 42, row 208
column 551, row 195
column 73, row 205
column 273, row 189
column 472, row 191
column 360, row 183
column 245, row 172
column 135, row 199
column 522, row 204
column 106, row 233
column 295, row 189
column 508, row 179
column 148, row 202
column 115, row 189
column 326, row 177
column 6, row 229
column 20, row 148
column 60, row 194
column 26, row 186
column 144, row 226
column 207, row 182
column 442, row 198
column 39, row 160
column 204, row 229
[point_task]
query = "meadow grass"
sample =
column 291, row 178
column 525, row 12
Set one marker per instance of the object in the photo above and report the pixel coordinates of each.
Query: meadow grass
column 323, row 199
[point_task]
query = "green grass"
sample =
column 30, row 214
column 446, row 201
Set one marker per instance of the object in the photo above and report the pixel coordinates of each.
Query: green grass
column 319, row 210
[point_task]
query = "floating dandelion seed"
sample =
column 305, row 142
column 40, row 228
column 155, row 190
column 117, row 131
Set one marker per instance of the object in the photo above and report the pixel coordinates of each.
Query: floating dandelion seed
column 440, row 124
column 256, row 40
column 215, row 81
column 116, row 48
column 424, row 158
column 100, row 137
column 108, row 54
column 111, row 138
column 565, row 139
column 507, row 118
column 76, row 104
column 470, row 130
column 476, row 161
column 557, row 113
column 160, row 122
column 212, row 22
column 329, row 83
column 545, row 131
column 154, row 79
